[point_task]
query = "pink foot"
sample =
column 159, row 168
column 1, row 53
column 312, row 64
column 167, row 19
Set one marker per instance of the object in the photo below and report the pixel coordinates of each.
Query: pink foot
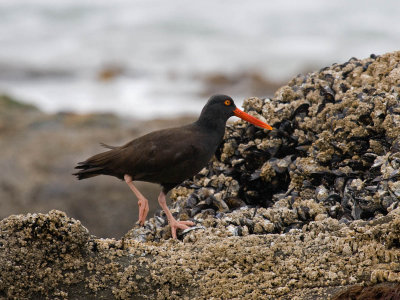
column 143, row 210
column 179, row 224
column 171, row 220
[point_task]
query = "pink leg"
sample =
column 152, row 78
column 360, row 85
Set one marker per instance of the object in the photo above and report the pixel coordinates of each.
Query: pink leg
column 142, row 201
column 171, row 220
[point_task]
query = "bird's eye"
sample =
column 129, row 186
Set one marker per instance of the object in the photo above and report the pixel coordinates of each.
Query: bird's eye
column 227, row 102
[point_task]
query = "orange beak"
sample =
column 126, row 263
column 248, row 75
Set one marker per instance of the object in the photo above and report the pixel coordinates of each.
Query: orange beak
column 241, row 114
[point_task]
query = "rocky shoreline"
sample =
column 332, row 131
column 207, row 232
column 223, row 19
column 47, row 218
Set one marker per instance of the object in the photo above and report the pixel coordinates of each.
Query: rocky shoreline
column 301, row 212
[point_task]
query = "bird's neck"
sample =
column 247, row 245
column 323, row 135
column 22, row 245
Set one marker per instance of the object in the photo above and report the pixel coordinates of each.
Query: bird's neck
column 212, row 125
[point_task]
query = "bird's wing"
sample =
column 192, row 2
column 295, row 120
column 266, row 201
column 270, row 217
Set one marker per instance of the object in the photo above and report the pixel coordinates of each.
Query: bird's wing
column 155, row 154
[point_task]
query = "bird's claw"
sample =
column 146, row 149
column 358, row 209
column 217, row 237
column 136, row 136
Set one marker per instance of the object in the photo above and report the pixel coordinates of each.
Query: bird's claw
column 140, row 222
column 143, row 211
column 179, row 225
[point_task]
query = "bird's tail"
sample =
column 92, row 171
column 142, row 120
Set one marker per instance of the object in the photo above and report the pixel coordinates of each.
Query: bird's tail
column 97, row 164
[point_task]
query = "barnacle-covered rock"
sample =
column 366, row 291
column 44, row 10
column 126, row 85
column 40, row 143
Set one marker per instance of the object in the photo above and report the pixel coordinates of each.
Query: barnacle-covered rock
column 334, row 152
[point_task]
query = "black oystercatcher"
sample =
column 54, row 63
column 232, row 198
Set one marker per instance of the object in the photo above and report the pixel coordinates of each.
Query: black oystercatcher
column 168, row 156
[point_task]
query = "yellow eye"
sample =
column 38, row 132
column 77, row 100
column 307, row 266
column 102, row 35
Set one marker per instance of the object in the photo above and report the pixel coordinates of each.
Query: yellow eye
column 227, row 102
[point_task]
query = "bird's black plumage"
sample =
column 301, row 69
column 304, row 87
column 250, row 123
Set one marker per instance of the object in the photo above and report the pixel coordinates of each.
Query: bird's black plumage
column 167, row 156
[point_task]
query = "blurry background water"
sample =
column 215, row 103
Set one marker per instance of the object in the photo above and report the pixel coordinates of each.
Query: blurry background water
column 148, row 58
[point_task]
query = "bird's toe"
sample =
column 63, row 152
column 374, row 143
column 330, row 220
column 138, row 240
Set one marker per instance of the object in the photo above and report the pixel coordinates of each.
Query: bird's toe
column 179, row 225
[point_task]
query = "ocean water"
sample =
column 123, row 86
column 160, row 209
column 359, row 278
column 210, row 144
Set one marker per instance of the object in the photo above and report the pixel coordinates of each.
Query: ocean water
column 146, row 58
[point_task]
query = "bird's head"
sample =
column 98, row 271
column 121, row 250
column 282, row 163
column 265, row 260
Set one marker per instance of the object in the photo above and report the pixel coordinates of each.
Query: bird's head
column 222, row 107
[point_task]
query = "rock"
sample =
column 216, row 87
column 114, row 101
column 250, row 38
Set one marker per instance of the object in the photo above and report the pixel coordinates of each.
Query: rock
column 53, row 256
column 372, row 292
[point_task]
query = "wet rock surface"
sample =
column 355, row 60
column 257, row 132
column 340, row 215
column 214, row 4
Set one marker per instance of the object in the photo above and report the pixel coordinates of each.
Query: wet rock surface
column 302, row 212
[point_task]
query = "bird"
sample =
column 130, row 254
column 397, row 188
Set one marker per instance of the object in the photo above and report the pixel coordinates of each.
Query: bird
column 168, row 156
